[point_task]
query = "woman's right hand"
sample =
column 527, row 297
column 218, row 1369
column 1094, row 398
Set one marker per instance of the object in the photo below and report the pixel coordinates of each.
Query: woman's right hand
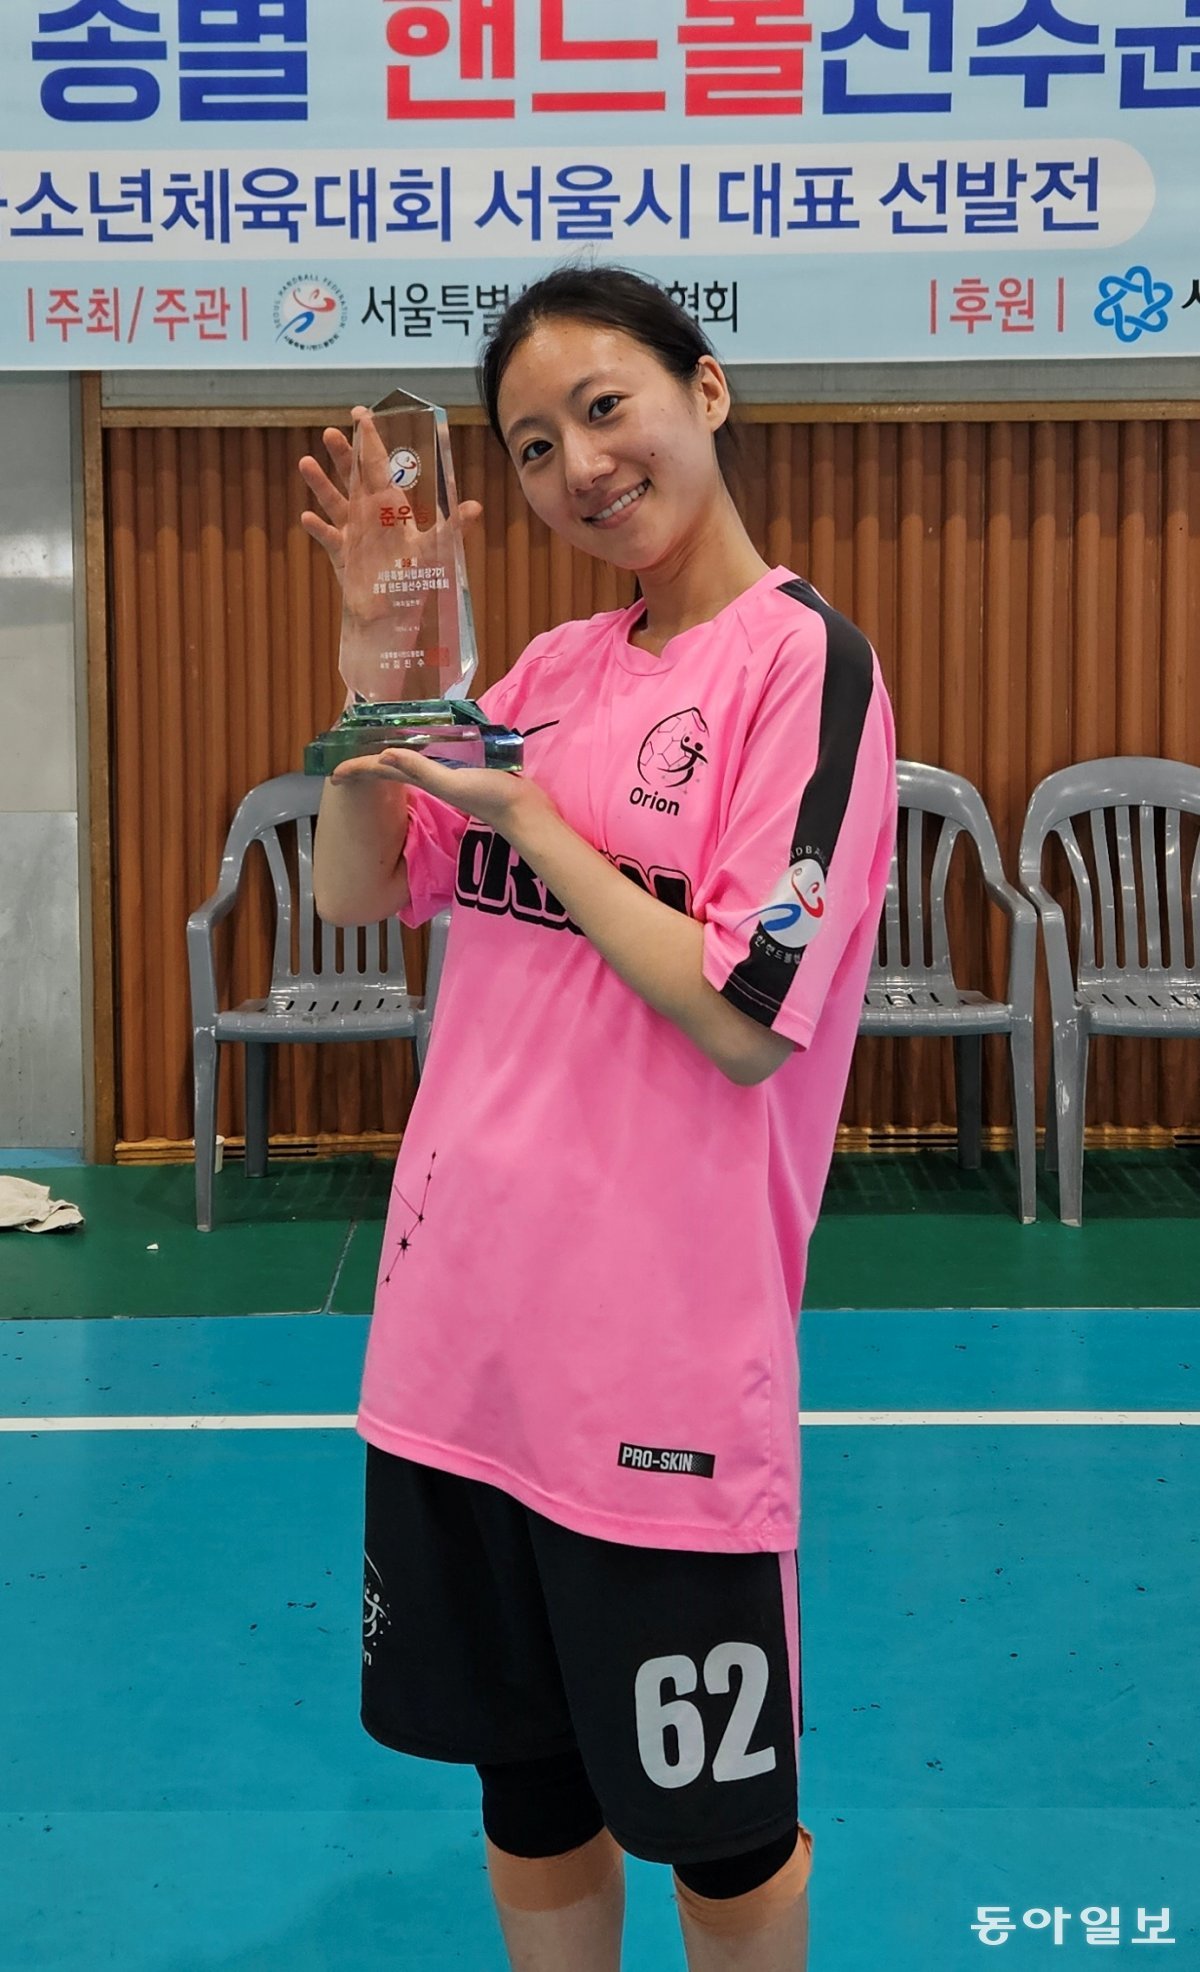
column 352, row 531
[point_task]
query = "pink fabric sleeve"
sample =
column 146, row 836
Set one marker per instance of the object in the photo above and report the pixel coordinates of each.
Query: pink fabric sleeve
column 430, row 856
column 804, row 851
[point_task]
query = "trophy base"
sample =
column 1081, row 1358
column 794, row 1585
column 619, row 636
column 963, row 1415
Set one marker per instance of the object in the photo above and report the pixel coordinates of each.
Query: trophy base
column 451, row 730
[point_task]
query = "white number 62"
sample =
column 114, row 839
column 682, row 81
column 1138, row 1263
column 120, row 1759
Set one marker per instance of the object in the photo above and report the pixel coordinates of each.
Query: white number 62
column 656, row 1712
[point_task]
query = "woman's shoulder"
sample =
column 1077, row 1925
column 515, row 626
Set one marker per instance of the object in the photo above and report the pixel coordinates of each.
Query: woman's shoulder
column 574, row 633
column 788, row 620
column 565, row 641
column 563, row 644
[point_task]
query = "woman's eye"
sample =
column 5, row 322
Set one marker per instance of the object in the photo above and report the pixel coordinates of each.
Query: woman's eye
column 531, row 451
column 605, row 404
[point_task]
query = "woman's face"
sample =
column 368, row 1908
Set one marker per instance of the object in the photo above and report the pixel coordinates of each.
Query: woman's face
column 613, row 452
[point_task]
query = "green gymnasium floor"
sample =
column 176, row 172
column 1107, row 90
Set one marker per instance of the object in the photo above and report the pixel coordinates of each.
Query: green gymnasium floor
column 903, row 1231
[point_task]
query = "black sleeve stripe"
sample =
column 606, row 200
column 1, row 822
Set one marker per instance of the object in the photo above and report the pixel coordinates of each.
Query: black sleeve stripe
column 760, row 984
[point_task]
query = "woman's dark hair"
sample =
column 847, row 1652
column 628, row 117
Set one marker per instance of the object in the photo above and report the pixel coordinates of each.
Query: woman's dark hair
column 610, row 298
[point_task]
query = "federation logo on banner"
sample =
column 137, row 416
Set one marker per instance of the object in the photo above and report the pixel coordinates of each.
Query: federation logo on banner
column 310, row 313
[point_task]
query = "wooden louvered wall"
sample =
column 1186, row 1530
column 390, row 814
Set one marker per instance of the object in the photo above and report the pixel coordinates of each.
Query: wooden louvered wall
column 1032, row 584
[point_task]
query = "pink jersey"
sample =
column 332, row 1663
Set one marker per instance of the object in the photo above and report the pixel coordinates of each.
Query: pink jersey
column 595, row 1249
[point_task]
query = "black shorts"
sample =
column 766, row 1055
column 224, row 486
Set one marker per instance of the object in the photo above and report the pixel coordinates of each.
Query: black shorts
column 492, row 1634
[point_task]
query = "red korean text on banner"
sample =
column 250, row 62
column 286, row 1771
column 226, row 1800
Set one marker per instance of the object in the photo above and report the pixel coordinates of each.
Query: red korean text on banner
column 562, row 42
column 744, row 57
column 483, row 36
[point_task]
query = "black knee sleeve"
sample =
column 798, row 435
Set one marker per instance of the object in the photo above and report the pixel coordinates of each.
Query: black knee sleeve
column 732, row 1876
column 539, row 1807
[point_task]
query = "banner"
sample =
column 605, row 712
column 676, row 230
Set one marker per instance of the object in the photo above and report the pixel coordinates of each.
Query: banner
column 268, row 184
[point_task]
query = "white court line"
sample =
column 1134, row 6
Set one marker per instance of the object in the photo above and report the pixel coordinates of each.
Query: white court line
column 304, row 1421
column 344, row 1421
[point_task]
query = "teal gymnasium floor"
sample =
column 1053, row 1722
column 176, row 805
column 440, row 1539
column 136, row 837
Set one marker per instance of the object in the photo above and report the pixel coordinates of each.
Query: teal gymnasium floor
column 1000, row 1584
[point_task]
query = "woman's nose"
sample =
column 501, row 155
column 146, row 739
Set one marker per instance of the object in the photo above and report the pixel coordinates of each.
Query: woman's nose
column 585, row 460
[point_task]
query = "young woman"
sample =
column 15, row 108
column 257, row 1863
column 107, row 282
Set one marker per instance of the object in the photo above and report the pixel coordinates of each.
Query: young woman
column 580, row 1396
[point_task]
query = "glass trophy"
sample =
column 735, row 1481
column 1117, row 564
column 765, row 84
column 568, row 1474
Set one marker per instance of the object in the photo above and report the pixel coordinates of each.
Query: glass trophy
column 408, row 636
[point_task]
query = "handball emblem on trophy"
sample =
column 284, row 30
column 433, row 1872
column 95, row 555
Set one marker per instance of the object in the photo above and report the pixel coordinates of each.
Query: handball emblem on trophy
column 408, row 636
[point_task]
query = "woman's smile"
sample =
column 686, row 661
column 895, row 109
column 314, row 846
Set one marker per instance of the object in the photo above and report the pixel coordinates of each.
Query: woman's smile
column 617, row 509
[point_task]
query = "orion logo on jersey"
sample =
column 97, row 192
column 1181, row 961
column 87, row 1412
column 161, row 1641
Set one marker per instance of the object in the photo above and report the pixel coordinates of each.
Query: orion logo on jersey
column 668, row 760
column 795, row 910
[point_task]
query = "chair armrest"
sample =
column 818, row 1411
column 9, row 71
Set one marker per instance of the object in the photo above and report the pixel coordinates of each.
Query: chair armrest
column 202, row 972
column 1022, row 952
column 1010, row 900
column 216, row 907
column 1058, row 952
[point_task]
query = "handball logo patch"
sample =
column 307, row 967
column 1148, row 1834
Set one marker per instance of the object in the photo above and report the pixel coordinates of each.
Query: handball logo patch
column 795, row 910
column 668, row 759
column 673, row 750
column 309, row 313
column 404, row 466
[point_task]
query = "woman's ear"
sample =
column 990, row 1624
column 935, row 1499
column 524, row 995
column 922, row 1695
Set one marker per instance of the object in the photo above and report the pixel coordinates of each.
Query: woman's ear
column 714, row 392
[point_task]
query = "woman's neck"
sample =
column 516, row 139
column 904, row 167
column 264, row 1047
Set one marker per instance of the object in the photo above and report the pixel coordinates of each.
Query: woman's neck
column 711, row 572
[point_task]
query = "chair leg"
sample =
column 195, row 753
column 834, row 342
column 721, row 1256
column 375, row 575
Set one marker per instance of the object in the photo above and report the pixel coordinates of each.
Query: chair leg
column 1051, row 1148
column 1020, row 1043
column 206, row 1070
column 258, row 1100
column 968, row 1094
column 1071, row 1066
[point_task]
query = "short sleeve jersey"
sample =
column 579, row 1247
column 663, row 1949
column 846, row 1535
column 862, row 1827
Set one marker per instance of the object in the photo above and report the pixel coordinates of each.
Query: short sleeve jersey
column 594, row 1254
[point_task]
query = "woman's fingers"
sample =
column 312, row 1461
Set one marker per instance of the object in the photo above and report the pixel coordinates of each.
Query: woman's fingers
column 320, row 531
column 341, row 453
column 374, row 460
column 323, row 490
column 368, row 766
column 374, row 484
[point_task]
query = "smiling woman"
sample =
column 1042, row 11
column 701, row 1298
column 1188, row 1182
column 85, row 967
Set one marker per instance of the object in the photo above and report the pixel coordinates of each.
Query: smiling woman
column 581, row 1412
column 618, row 431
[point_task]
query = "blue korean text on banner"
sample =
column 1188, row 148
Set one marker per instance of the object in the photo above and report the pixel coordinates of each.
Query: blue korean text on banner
column 266, row 183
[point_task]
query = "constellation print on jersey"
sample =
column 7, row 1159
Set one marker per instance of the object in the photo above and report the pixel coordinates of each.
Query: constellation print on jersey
column 417, row 1219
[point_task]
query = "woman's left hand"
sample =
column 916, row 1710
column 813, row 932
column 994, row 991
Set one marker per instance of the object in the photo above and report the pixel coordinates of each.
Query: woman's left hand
column 502, row 800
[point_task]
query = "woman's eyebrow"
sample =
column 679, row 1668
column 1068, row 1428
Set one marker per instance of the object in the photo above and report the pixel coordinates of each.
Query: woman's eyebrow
column 533, row 418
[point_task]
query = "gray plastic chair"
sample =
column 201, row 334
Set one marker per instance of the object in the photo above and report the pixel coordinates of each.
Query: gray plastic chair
column 912, row 989
column 1108, row 989
column 314, row 1002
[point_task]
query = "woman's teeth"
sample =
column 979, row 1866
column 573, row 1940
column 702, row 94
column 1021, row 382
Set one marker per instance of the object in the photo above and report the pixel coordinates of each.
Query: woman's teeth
column 626, row 500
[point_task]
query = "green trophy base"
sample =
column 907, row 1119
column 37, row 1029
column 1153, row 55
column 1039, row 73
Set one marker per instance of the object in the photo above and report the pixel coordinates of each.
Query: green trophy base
column 452, row 730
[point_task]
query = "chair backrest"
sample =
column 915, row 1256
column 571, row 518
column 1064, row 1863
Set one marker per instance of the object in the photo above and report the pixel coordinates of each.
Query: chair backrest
column 936, row 808
column 306, row 952
column 1137, row 902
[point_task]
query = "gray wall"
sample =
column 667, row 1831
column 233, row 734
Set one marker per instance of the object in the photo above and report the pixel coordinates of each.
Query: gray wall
column 41, row 1048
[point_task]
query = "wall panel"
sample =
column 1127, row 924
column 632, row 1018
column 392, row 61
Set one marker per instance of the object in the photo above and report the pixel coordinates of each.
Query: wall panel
column 1032, row 585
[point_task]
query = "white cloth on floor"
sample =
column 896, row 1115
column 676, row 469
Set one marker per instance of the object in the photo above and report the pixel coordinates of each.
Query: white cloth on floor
column 31, row 1208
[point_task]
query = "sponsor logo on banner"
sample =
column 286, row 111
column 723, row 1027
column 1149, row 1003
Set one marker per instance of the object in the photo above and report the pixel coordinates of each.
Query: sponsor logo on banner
column 1134, row 304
